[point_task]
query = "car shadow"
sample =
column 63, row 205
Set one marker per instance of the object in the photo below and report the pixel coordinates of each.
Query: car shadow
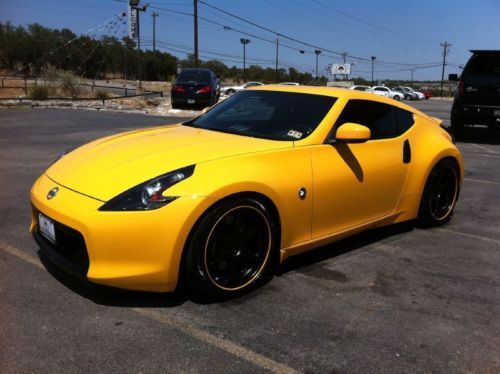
column 110, row 296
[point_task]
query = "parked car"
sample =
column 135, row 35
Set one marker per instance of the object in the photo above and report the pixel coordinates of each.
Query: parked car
column 427, row 94
column 290, row 84
column 419, row 95
column 229, row 90
column 195, row 87
column 387, row 92
column 477, row 98
column 360, row 88
column 221, row 199
column 407, row 94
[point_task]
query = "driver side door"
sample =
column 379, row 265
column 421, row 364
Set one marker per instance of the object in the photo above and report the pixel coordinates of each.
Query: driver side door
column 357, row 183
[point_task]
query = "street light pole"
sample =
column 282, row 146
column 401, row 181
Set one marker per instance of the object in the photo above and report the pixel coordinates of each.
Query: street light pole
column 154, row 15
column 317, row 52
column 373, row 63
column 244, row 42
column 276, row 68
column 195, row 5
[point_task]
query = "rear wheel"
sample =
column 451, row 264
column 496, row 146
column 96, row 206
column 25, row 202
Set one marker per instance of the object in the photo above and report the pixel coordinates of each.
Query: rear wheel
column 230, row 92
column 397, row 98
column 440, row 194
column 231, row 248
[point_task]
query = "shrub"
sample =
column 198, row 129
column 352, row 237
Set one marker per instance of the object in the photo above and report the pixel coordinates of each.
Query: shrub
column 39, row 92
column 70, row 84
column 101, row 95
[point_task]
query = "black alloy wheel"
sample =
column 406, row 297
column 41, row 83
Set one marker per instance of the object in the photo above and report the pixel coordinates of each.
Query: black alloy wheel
column 231, row 248
column 440, row 194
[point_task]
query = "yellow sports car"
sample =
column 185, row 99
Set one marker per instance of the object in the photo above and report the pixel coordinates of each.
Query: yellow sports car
column 220, row 200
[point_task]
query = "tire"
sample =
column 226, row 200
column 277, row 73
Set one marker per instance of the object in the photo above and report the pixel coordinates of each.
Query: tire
column 231, row 249
column 457, row 127
column 440, row 194
column 397, row 98
column 230, row 92
column 407, row 97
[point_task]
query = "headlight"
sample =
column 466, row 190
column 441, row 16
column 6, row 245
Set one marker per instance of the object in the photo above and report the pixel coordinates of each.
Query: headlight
column 148, row 195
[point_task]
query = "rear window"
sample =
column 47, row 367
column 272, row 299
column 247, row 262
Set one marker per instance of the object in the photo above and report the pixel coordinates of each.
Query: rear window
column 483, row 65
column 199, row 76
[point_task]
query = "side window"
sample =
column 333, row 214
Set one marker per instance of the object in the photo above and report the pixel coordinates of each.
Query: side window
column 378, row 117
column 405, row 119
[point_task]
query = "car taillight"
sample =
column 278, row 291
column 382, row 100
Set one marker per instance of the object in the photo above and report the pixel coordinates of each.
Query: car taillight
column 460, row 88
column 204, row 90
column 178, row 89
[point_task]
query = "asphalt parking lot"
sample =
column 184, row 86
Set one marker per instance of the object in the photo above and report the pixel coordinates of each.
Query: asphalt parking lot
column 398, row 299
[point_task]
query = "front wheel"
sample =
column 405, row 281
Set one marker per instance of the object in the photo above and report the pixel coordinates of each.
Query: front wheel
column 397, row 98
column 230, row 92
column 440, row 194
column 231, row 248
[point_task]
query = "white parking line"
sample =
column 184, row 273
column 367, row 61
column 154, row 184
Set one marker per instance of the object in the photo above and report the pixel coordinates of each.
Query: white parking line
column 472, row 236
column 485, row 149
column 481, row 181
column 182, row 325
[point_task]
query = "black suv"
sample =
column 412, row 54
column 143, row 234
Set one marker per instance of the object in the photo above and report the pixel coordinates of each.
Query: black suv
column 477, row 98
column 195, row 87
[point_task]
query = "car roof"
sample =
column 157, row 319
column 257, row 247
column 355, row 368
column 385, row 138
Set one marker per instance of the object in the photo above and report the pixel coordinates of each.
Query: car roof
column 341, row 93
column 485, row 51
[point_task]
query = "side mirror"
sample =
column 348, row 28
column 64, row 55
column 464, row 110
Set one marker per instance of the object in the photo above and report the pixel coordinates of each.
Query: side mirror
column 453, row 77
column 352, row 133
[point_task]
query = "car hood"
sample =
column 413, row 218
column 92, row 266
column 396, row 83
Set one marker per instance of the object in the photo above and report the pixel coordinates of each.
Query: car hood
column 106, row 167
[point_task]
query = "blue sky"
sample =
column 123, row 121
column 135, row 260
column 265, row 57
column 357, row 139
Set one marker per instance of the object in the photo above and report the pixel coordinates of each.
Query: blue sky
column 401, row 34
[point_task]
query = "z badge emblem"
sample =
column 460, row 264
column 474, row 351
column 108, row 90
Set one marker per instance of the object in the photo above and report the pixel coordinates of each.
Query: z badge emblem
column 52, row 193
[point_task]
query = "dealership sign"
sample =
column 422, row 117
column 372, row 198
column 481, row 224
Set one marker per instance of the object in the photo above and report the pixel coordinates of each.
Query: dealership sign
column 132, row 22
column 341, row 69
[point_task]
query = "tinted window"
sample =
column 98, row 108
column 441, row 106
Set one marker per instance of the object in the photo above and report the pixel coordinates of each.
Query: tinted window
column 378, row 117
column 199, row 76
column 405, row 119
column 483, row 64
column 381, row 89
column 267, row 114
column 361, row 88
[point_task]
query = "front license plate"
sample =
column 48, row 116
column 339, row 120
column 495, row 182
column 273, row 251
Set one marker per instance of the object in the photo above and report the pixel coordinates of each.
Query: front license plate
column 191, row 101
column 496, row 113
column 46, row 227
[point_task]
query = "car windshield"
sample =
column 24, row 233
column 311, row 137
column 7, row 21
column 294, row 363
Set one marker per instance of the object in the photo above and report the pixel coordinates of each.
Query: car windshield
column 267, row 114
column 199, row 76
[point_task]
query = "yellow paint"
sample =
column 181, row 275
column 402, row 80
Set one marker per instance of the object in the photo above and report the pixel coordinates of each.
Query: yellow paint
column 350, row 187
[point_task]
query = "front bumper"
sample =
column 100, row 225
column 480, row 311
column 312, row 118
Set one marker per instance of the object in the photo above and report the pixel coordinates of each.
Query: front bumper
column 132, row 250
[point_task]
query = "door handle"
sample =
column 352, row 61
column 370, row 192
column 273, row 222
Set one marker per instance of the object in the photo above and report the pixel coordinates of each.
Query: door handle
column 406, row 152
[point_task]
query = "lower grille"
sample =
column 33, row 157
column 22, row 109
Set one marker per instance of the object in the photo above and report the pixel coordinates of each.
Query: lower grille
column 70, row 250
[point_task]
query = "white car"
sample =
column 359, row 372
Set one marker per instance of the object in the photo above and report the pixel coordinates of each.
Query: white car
column 229, row 90
column 360, row 88
column 387, row 92
column 419, row 94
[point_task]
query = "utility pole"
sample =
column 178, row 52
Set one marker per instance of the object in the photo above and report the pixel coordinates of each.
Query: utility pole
column 154, row 15
column 244, row 42
column 195, row 5
column 317, row 52
column 373, row 64
column 276, row 68
column 445, row 52
column 411, row 82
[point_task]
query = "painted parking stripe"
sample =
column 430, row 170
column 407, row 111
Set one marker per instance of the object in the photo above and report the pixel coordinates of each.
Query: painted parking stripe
column 481, row 181
column 485, row 149
column 472, row 236
column 182, row 325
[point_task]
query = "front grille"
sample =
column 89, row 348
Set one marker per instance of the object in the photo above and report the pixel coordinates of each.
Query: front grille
column 69, row 251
